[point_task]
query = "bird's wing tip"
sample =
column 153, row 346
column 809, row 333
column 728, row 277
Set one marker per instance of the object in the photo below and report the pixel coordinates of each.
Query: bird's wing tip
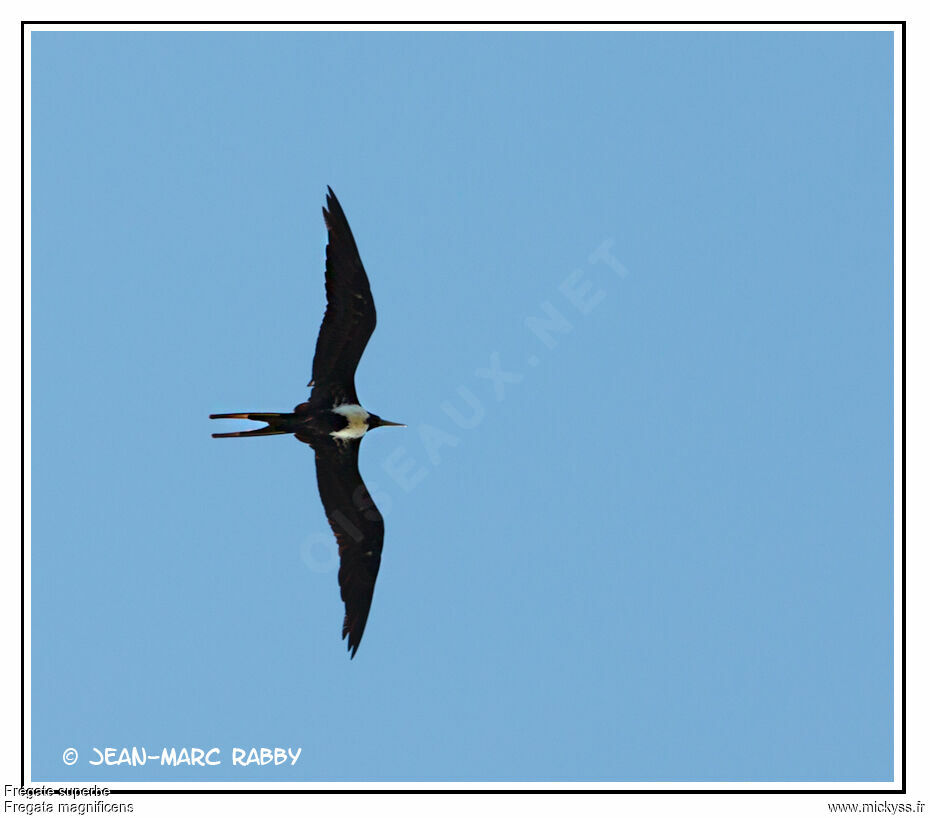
column 352, row 641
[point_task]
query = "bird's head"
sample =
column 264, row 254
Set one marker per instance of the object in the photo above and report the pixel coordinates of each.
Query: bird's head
column 374, row 422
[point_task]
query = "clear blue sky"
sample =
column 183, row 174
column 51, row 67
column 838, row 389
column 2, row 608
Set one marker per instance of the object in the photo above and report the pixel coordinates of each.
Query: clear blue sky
column 658, row 547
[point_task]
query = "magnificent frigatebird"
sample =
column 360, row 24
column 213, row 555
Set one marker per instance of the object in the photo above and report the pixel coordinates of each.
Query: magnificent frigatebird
column 333, row 422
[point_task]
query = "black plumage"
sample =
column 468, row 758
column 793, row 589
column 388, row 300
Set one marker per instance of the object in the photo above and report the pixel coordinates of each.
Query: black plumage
column 350, row 315
column 333, row 424
column 359, row 530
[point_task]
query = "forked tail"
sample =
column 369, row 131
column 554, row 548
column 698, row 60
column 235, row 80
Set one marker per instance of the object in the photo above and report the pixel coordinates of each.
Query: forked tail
column 271, row 418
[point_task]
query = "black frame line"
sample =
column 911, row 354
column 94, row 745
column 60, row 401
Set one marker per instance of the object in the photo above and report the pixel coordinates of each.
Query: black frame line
column 336, row 791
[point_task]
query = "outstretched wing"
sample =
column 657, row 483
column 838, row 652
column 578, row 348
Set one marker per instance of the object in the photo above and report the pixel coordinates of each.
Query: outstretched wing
column 350, row 314
column 358, row 526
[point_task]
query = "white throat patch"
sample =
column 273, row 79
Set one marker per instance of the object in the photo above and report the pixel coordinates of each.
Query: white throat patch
column 358, row 421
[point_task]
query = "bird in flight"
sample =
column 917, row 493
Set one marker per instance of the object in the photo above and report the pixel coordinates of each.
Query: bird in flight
column 333, row 423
